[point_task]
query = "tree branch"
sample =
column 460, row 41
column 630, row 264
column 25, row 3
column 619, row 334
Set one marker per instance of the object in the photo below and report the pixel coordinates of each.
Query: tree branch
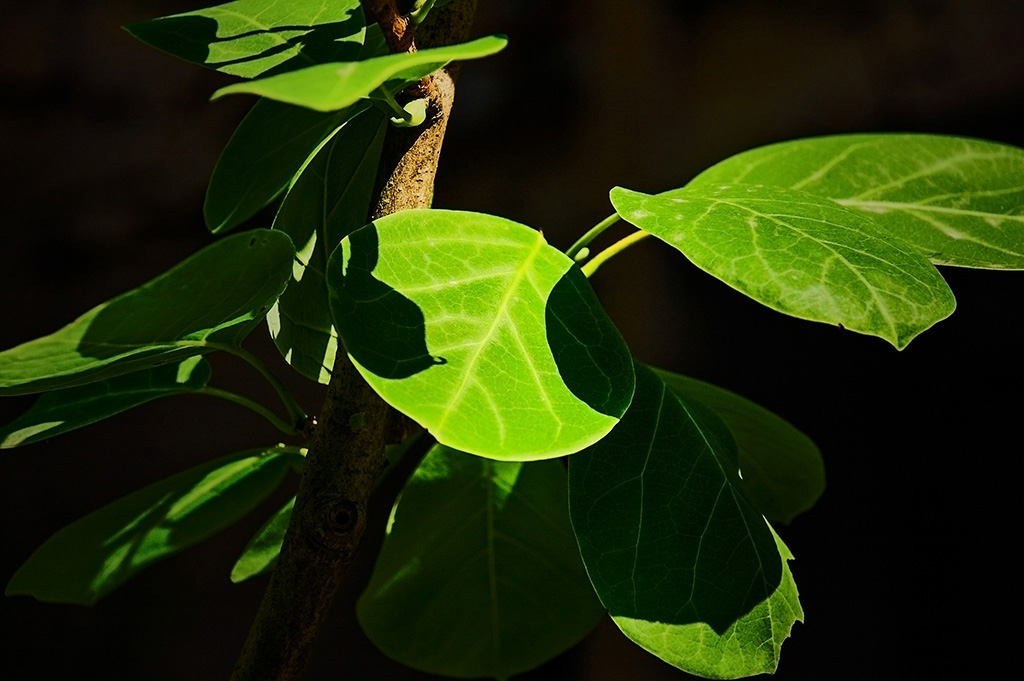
column 346, row 453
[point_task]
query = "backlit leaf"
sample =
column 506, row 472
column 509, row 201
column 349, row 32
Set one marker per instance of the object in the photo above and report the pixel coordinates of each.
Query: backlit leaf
column 783, row 472
column 330, row 198
column 93, row 556
column 479, row 575
column 248, row 38
column 958, row 201
column 261, row 552
column 328, row 87
column 61, row 411
column 479, row 330
column 217, row 295
column 798, row 253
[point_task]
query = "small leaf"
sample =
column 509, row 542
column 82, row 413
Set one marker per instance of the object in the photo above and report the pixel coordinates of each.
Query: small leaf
column 782, row 468
column 248, row 38
column 93, row 556
column 217, row 295
column 65, row 410
column 478, row 574
column 451, row 317
column 958, row 201
column 261, row 552
column 262, row 158
column 330, row 198
column 799, row 254
column 328, row 87
column 665, row 530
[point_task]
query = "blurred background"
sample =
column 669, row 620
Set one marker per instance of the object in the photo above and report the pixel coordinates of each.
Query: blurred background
column 904, row 566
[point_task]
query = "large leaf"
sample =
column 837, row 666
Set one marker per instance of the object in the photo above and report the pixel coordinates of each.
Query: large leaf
column 782, row 468
column 799, row 254
column 959, row 201
column 330, row 198
column 215, row 296
column 248, row 38
column 260, row 554
column 478, row 575
column 93, row 556
column 61, row 411
column 329, row 87
column 478, row 329
column 667, row 534
column 261, row 159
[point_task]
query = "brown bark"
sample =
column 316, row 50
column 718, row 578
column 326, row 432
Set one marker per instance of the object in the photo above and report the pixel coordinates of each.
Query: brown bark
column 346, row 453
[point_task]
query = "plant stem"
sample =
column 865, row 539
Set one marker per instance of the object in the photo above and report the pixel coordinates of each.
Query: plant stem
column 592, row 234
column 617, row 247
column 251, row 405
column 295, row 411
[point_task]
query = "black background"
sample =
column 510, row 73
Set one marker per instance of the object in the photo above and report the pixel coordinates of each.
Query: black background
column 905, row 565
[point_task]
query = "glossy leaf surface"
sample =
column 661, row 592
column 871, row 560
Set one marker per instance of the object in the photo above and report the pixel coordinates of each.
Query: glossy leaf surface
column 665, row 530
column 329, row 199
column 61, row 411
column 479, row 575
column 958, row 201
column 248, row 38
column 260, row 554
column 329, row 87
column 798, row 253
column 479, row 330
column 261, row 159
column 93, row 556
column 783, row 472
column 215, row 296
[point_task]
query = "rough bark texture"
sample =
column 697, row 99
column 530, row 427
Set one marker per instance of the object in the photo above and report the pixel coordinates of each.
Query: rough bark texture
column 346, row 453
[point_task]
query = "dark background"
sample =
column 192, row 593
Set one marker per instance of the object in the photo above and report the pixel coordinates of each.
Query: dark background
column 905, row 565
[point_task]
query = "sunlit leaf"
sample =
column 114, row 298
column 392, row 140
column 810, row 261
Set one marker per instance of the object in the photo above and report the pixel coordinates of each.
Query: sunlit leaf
column 479, row 575
column 479, row 330
column 330, row 198
column 261, row 552
column 217, row 295
column 262, row 158
column 783, row 472
column 93, row 556
column 666, row 532
column 61, row 411
column 248, row 38
column 329, row 87
column 958, row 201
column 799, row 254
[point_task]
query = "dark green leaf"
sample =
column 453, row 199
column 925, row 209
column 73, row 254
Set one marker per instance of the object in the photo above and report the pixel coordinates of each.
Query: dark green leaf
column 261, row 552
column 93, row 556
column 329, row 87
column 65, row 410
column 446, row 315
column 666, row 532
column 798, row 253
column 958, row 201
column 479, row 574
column 782, row 468
column 248, row 38
column 216, row 296
column 330, row 198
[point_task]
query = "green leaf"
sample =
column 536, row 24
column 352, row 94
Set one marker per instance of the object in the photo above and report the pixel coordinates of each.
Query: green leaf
column 248, row 38
column 959, row 201
column 263, row 156
column 478, row 575
column 665, row 530
column 782, row 468
column 330, row 198
column 798, row 253
column 261, row 552
column 328, row 87
column 93, row 556
column 698, row 649
column 65, row 410
column 479, row 330
column 216, row 296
